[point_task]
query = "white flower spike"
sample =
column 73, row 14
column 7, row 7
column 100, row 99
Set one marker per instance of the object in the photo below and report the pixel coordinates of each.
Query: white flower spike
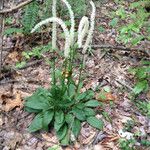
column 65, row 29
column 72, row 29
column 54, row 29
column 82, row 30
column 92, row 24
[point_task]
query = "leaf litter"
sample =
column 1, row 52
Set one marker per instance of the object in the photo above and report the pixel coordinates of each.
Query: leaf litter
column 102, row 73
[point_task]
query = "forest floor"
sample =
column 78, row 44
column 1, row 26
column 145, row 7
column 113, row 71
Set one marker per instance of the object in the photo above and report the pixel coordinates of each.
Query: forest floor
column 106, row 72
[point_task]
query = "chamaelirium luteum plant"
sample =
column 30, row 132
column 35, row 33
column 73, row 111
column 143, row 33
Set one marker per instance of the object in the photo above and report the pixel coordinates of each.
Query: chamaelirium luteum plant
column 63, row 105
column 82, row 30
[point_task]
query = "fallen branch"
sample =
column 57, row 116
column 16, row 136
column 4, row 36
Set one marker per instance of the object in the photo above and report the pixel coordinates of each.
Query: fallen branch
column 10, row 70
column 1, row 34
column 121, row 48
column 15, row 7
column 124, row 84
column 30, row 81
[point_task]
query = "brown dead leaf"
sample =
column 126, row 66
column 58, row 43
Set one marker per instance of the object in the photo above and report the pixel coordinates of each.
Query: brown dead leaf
column 17, row 102
column 105, row 97
column 90, row 139
column 109, row 96
column 13, row 57
column 148, row 94
column 48, row 137
column 109, row 142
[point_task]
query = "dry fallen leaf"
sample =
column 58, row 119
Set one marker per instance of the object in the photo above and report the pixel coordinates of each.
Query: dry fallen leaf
column 12, row 138
column 105, row 97
column 90, row 139
column 17, row 102
column 148, row 94
column 13, row 57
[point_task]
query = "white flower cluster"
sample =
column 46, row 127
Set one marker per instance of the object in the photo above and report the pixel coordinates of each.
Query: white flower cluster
column 54, row 28
column 91, row 30
column 64, row 27
column 83, row 29
column 72, row 29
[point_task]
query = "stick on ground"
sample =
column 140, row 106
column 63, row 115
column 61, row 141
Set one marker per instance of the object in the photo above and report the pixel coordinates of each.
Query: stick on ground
column 15, row 7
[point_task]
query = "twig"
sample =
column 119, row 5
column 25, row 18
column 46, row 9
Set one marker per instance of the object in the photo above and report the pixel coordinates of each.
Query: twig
column 30, row 81
column 117, row 47
column 8, row 70
column 30, row 64
column 1, row 34
column 15, row 7
column 4, row 113
column 120, row 48
column 124, row 84
column 8, row 48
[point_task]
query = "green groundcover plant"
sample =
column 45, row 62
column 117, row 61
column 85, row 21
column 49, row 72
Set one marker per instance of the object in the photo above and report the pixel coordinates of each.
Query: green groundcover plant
column 63, row 106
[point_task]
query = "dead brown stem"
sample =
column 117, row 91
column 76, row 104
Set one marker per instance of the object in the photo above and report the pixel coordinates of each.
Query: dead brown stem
column 1, row 34
column 16, row 7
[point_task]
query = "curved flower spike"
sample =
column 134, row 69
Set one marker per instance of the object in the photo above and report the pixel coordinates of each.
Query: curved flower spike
column 65, row 29
column 82, row 30
column 54, row 30
column 92, row 24
column 72, row 29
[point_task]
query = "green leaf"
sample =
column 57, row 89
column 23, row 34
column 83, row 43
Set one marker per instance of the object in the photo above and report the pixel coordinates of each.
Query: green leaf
column 92, row 103
column 93, row 121
column 10, row 31
column 72, row 89
column 140, row 86
column 36, row 123
column 55, row 147
column 106, row 116
column 113, row 22
column 59, row 120
column 80, row 105
column 69, row 118
column 59, row 116
column 61, row 133
column 76, row 127
column 38, row 100
column 31, row 110
column 81, row 96
column 101, row 29
column 146, row 62
column 79, row 114
column 136, row 40
column 145, row 143
column 90, row 94
column 148, row 108
column 141, row 73
column 65, row 140
column 121, row 12
column 102, row 95
column 80, row 86
column 89, row 112
column 20, row 65
column 107, row 89
column 30, row 16
column 47, row 118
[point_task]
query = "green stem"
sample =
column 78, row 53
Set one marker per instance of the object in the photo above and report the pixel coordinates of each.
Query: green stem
column 54, row 75
column 80, row 73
